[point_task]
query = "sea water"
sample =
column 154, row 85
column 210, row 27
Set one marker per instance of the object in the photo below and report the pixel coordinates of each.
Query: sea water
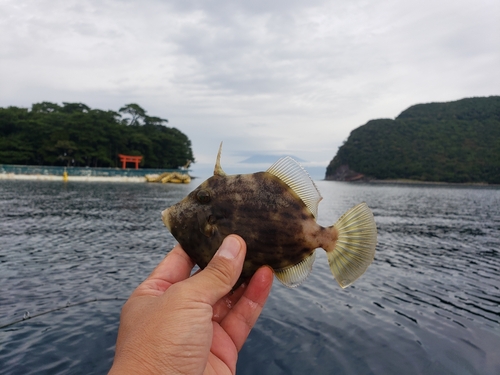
column 71, row 253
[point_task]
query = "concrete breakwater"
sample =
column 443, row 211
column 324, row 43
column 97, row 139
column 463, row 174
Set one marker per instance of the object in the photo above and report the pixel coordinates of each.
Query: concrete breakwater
column 50, row 173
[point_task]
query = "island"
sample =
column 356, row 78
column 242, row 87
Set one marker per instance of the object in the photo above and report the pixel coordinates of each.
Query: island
column 75, row 135
column 452, row 142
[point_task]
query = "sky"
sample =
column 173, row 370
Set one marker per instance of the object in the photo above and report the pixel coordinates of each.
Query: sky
column 268, row 78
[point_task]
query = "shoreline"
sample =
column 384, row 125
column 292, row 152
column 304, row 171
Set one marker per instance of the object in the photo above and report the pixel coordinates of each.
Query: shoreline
column 417, row 182
column 90, row 174
column 43, row 177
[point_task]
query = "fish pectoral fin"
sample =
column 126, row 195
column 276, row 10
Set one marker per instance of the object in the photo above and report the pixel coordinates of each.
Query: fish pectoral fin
column 208, row 230
column 293, row 276
column 205, row 225
column 355, row 247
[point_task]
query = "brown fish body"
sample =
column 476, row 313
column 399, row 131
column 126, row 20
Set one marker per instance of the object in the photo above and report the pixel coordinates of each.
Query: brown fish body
column 278, row 228
column 277, row 222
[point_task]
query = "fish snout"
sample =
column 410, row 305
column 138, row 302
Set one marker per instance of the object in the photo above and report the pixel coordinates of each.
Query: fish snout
column 165, row 217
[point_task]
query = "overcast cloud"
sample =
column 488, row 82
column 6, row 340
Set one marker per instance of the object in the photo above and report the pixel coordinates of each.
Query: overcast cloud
column 266, row 77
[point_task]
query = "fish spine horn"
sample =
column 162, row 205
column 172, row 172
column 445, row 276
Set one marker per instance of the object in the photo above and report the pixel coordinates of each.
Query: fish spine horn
column 218, row 169
column 355, row 246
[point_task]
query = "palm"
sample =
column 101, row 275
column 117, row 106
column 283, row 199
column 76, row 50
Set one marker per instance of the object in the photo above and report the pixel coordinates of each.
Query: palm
column 211, row 330
column 223, row 354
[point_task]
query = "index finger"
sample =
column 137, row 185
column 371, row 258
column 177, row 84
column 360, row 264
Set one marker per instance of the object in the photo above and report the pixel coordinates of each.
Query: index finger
column 240, row 320
column 175, row 267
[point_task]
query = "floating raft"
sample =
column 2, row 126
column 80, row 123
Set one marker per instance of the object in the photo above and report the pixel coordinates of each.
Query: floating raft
column 172, row 177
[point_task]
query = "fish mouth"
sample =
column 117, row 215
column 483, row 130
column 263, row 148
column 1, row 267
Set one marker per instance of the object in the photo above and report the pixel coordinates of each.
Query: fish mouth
column 165, row 218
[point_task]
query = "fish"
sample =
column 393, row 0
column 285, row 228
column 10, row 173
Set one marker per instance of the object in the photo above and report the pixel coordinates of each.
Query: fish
column 275, row 213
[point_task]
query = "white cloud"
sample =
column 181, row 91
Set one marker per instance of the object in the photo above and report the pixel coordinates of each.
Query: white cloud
column 266, row 77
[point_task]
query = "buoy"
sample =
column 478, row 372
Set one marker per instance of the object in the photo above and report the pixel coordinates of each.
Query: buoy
column 65, row 176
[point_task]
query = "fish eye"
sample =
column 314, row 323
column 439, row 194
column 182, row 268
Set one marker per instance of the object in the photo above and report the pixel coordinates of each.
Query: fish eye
column 203, row 196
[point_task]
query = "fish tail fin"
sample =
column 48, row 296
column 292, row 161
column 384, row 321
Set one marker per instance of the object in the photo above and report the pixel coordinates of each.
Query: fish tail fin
column 354, row 249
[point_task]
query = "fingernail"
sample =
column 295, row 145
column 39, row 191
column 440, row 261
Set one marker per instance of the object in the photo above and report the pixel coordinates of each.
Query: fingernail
column 230, row 248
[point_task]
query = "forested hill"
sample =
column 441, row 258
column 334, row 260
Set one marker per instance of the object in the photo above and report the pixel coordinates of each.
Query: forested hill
column 446, row 142
column 72, row 134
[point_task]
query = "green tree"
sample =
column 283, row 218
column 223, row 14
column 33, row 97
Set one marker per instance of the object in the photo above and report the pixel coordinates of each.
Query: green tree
column 75, row 134
column 137, row 113
column 449, row 142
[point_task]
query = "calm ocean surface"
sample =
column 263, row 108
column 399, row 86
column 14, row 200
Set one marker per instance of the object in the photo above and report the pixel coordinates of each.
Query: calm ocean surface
column 429, row 304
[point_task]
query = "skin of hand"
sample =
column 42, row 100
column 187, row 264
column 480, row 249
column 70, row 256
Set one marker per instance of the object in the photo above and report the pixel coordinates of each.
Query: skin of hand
column 177, row 324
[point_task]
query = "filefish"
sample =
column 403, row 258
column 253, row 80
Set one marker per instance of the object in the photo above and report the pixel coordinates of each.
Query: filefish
column 275, row 213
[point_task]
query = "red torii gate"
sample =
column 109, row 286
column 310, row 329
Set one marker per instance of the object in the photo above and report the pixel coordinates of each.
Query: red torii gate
column 130, row 159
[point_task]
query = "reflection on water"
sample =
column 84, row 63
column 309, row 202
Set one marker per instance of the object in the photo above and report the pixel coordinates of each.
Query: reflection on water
column 428, row 304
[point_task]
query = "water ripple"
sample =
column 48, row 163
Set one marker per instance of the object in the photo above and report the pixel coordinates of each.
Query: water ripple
column 430, row 302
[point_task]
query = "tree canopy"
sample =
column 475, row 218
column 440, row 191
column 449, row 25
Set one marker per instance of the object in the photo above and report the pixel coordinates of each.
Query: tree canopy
column 445, row 142
column 73, row 134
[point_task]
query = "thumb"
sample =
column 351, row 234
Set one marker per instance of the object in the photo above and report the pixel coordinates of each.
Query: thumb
column 220, row 275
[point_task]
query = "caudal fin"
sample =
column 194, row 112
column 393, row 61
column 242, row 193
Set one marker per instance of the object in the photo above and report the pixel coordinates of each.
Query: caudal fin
column 355, row 247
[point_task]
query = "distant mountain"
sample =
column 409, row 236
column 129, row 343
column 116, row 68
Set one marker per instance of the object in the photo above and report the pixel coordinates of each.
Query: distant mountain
column 265, row 158
column 445, row 142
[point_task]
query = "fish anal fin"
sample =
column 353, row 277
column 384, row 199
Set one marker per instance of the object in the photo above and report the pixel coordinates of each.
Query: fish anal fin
column 355, row 247
column 293, row 276
column 297, row 179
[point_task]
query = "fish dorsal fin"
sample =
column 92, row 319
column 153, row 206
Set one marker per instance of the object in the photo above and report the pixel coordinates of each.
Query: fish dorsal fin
column 294, row 276
column 218, row 169
column 296, row 177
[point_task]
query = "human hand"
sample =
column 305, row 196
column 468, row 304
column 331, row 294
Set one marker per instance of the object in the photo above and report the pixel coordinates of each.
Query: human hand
column 176, row 324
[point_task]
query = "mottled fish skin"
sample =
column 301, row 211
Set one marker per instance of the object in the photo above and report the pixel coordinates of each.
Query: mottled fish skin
column 278, row 228
column 274, row 212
